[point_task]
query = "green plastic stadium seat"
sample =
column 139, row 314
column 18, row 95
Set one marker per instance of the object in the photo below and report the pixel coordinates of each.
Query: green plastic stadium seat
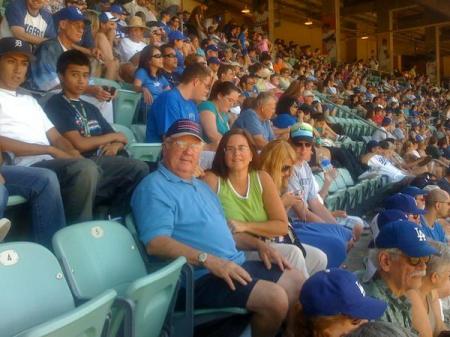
column 150, row 152
column 99, row 255
column 105, row 82
column 36, row 300
column 125, row 106
column 15, row 200
column 139, row 131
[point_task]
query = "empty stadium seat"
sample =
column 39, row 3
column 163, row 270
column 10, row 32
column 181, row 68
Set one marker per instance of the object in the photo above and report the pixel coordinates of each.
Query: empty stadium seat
column 36, row 300
column 99, row 255
column 125, row 106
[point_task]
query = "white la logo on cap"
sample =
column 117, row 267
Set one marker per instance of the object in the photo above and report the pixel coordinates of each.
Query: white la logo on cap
column 361, row 289
column 18, row 43
column 420, row 235
column 79, row 12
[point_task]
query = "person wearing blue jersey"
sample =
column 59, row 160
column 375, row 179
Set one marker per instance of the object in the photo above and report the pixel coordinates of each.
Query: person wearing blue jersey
column 179, row 102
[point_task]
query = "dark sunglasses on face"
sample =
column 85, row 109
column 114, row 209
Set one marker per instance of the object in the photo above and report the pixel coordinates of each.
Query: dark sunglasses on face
column 305, row 145
column 157, row 56
column 414, row 261
column 170, row 55
column 286, row 168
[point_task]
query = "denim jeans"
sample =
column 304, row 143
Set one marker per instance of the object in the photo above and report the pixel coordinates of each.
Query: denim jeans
column 3, row 199
column 41, row 188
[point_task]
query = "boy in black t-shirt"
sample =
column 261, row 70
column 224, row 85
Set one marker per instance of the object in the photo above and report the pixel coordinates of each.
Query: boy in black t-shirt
column 82, row 124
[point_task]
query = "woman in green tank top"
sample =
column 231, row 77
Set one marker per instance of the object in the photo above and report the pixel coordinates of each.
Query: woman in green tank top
column 214, row 112
column 251, row 202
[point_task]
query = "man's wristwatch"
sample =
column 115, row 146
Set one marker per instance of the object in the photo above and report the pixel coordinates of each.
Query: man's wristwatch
column 201, row 258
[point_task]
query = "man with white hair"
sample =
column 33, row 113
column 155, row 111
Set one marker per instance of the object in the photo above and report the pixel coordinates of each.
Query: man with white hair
column 400, row 257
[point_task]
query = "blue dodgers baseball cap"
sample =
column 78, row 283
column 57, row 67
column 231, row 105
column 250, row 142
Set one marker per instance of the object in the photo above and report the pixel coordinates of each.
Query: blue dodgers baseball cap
column 70, row 13
column 117, row 9
column 213, row 60
column 413, row 191
column 406, row 236
column 336, row 291
column 176, row 35
column 371, row 144
column 212, row 47
column 390, row 215
column 107, row 16
column 184, row 127
column 403, row 202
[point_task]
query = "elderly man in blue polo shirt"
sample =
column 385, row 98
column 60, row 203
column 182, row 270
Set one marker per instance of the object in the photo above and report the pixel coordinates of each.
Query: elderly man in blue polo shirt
column 400, row 257
column 179, row 215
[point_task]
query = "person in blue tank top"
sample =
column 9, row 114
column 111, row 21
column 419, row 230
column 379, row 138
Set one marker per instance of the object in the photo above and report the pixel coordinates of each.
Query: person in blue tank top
column 214, row 116
column 179, row 102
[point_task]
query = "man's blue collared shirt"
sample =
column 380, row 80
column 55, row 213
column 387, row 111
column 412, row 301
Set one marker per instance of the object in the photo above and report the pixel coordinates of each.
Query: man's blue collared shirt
column 189, row 212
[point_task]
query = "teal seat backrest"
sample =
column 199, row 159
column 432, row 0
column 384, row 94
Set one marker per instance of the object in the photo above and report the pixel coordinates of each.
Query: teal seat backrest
column 152, row 302
column 105, row 82
column 33, row 288
column 346, row 176
column 125, row 106
column 98, row 255
column 126, row 131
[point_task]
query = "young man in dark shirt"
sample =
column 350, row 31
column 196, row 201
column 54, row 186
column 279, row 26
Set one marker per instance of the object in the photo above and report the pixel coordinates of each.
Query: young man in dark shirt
column 82, row 124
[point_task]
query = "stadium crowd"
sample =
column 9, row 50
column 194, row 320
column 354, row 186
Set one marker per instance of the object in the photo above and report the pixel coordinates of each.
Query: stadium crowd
column 246, row 126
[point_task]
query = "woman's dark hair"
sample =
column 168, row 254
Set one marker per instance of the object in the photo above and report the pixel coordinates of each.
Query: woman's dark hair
column 284, row 105
column 219, row 167
column 145, row 56
column 72, row 57
column 223, row 88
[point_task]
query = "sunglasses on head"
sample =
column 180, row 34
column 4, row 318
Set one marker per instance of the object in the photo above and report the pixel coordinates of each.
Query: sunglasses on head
column 303, row 144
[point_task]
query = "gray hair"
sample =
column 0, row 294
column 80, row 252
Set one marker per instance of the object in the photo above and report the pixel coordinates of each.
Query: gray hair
column 379, row 329
column 374, row 253
column 263, row 98
column 438, row 261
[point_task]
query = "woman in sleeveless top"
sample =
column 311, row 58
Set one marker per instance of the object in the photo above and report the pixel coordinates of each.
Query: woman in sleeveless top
column 250, row 200
column 426, row 311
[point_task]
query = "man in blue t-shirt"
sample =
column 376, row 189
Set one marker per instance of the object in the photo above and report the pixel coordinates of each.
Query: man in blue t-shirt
column 257, row 121
column 29, row 21
column 436, row 205
column 179, row 215
column 179, row 102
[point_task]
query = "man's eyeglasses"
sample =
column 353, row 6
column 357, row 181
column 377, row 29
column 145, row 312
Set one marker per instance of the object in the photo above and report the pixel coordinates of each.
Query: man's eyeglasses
column 304, row 145
column 184, row 145
column 171, row 56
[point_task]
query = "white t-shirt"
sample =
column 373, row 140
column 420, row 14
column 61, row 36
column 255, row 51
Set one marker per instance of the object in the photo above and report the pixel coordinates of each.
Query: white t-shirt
column 129, row 48
column 22, row 119
column 302, row 180
column 384, row 167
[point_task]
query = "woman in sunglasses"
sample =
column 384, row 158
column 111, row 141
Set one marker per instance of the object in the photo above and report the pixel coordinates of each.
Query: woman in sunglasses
column 252, row 206
column 426, row 311
column 278, row 159
column 147, row 78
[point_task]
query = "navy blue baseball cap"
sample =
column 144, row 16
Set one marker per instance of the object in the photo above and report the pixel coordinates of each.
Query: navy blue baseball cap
column 403, row 202
column 336, row 291
column 176, row 35
column 413, row 191
column 371, row 144
column 184, row 127
column 390, row 215
column 107, row 16
column 70, row 13
column 117, row 9
column 406, row 236
column 213, row 60
column 212, row 47
column 13, row 45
